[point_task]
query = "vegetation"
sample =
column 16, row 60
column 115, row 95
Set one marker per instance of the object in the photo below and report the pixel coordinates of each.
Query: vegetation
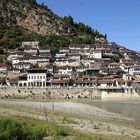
column 72, row 32
column 24, row 128
column 32, row 2
column 86, row 137
column 29, row 129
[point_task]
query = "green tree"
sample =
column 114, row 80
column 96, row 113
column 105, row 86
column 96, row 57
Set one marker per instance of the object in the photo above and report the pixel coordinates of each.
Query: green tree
column 32, row 2
column 44, row 6
column 1, row 51
column 68, row 20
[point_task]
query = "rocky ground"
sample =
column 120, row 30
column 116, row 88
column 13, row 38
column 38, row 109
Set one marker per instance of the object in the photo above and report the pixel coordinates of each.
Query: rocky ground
column 82, row 117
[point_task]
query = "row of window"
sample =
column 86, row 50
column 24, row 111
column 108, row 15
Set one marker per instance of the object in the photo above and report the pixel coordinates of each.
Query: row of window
column 37, row 77
column 136, row 69
column 38, row 84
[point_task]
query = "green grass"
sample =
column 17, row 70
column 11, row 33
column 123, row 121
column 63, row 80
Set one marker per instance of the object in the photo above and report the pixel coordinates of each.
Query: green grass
column 18, row 128
column 24, row 128
column 35, row 129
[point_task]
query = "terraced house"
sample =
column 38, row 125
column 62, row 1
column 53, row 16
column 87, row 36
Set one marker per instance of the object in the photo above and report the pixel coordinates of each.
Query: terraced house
column 77, row 65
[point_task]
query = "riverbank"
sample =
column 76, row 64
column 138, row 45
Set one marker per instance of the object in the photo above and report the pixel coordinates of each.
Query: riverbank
column 78, row 116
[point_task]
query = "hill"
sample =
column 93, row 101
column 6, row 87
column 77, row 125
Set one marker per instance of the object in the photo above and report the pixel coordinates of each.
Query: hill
column 22, row 20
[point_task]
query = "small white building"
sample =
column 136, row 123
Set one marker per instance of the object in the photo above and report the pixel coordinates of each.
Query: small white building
column 65, row 69
column 135, row 70
column 14, row 55
column 35, row 59
column 64, row 50
column 60, row 54
column 75, row 56
column 33, row 44
column 97, row 54
column 33, row 51
column 22, row 66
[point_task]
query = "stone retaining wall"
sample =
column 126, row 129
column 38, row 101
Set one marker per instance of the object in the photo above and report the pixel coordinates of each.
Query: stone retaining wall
column 48, row 93
column 65, row 93
column 120, row 96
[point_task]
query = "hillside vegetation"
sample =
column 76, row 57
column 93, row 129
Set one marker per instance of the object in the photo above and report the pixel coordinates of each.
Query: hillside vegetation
column 25, row 20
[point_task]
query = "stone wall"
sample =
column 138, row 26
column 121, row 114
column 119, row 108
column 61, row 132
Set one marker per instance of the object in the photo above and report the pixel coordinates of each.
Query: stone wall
column 65, row 93
column 49, row 93
column 120, row 96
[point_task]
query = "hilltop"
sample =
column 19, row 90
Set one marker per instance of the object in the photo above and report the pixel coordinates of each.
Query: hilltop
column 22, row 20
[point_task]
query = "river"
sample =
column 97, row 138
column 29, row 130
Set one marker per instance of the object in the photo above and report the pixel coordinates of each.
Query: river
column 128, row 109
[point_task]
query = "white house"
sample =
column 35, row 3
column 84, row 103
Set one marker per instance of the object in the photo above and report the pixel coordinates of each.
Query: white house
column 22, row 65
column 65, row 69
column 60, row 54
column 64, row 50
column 135, row 70
column 35, row 59
column 14, row 55
column 33, row 51
column 33, row 44
column 97, row 54
column 75, row 56
column 37, row 77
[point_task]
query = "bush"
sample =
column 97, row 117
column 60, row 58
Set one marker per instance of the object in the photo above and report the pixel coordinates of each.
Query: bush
column 11, row 129
column 83, row 137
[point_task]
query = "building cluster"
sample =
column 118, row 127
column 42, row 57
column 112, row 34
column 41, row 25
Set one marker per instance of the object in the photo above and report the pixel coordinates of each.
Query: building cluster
column 78, row 65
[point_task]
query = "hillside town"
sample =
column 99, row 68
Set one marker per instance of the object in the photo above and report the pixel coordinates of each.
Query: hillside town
column 78, row 65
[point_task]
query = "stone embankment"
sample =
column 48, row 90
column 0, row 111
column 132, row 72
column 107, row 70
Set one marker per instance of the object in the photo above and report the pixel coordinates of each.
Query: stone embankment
column 48, row 93
column 120, row 96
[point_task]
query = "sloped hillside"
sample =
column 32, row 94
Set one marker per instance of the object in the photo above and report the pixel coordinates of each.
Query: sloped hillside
column 21, row 20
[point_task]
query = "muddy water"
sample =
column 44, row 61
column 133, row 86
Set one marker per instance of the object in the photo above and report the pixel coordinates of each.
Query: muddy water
column 128, row 109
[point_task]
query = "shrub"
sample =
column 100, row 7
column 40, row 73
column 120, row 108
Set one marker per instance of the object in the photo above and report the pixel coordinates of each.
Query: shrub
column 11, row 130
column 83, row 137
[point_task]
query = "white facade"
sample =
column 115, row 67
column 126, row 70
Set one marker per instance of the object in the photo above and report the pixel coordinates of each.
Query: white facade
column 34, row 60
column 33, row 44
column 65, row 70
column 97, row 54
column 15, row 55
column 15, row 61
column 22, row 65
column 62, row 54
column 37, row 78
column 125, row 68
column 135, row 70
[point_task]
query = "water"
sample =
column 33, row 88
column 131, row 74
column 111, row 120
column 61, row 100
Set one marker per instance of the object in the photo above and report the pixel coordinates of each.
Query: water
column 128, row 109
